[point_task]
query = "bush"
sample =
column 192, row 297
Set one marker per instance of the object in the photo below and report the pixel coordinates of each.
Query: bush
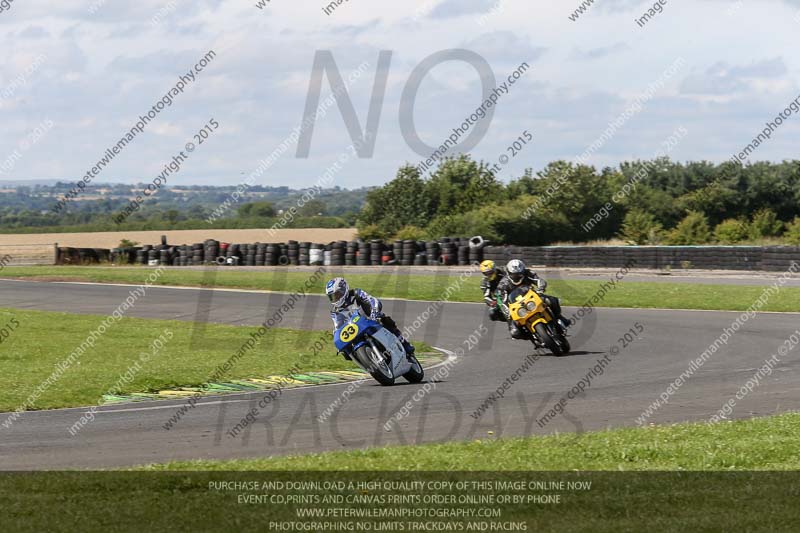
column 125, row 243
column 412, row 233
column 693, row 229
column 371, row 231
column 764, row 223
column 731, row 231
column 640, row 227
column 792, row 234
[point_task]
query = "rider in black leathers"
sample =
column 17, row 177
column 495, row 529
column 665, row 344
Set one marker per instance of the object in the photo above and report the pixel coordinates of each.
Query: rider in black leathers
column 518, row 274
column 492, row 276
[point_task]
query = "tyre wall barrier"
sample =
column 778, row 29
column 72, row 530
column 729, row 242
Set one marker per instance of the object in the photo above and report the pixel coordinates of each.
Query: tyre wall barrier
column 448, row 251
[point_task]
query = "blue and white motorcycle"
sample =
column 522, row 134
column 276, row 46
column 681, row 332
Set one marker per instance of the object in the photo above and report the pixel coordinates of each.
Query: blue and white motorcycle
column 377, row 350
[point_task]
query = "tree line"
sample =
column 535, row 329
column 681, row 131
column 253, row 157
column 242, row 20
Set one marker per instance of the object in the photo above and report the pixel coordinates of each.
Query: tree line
column 641, row 202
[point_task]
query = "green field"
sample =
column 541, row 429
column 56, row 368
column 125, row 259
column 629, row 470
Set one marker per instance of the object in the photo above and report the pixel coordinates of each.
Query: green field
column 768, row 443
column 43, row 339
column 432, row 287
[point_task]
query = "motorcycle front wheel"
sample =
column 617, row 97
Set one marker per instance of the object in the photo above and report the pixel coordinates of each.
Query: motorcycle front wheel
column 374, row 363
column 544, row 336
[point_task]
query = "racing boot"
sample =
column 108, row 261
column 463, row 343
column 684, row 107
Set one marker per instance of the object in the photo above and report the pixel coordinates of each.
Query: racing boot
column 407, row 346
column 515, row 332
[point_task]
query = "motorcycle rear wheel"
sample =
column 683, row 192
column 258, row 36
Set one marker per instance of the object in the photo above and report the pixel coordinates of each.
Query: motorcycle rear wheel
column 416, row 374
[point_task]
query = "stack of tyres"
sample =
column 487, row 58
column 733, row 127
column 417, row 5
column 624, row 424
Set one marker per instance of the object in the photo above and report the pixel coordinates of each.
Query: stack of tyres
column 302, row 257
column 173, row 256
column 376, row 251
column 409, row 252
column 293, row 252
column 397, row 251
column 350, row 254
column 250, row 258
column 283, row 255
column 122, row 256
column 475, row 251
column 152, row 256
column 421, row 258
column 180, row 256
column 448, row 256
column 432, row 251
column 364, row 251
column 141, row 256
column 211, row 252
column 261, row 251
column 195, row 254
column 463, row 254
column 272, row 255
column 86, row 255
column 221, row 259
column 337, row 253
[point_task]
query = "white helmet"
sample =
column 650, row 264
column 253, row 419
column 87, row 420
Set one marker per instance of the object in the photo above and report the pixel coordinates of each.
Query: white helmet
column 515, row 269
column 337, row 290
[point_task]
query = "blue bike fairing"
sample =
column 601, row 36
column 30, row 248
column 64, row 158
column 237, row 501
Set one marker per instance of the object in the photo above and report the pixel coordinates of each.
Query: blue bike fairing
column 364, row 326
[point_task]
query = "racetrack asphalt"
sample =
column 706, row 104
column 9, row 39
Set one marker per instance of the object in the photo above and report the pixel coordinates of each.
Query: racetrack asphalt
column 134, row 434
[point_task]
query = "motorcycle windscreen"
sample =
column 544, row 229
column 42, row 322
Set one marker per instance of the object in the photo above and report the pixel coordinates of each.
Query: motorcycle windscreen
column 518, row 293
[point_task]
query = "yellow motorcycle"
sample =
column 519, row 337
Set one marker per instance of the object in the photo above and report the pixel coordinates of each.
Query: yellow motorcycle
column 530, row 312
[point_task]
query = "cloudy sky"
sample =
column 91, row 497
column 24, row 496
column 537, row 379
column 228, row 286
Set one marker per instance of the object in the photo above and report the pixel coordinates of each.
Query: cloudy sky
column 80, row 73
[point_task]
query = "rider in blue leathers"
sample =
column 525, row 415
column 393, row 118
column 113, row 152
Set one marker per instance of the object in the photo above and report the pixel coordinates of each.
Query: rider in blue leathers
column 343, row 299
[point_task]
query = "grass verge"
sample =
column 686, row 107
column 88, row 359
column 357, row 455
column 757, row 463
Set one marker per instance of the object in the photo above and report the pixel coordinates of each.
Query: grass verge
column 40, row 340
column 768, row 443
column 432, row 287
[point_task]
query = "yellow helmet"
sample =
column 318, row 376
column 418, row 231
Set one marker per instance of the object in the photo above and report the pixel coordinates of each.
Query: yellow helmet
column 488, row 269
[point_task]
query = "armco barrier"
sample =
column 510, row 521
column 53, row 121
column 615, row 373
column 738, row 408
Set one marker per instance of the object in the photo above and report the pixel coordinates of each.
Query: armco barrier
column 28, row 254
column 768, row 258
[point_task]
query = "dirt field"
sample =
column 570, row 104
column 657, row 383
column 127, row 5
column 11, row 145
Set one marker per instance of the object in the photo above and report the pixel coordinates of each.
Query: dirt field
column 111, row 239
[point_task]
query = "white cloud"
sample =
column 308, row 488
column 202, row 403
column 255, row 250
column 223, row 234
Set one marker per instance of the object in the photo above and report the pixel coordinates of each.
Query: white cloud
column 103, row 70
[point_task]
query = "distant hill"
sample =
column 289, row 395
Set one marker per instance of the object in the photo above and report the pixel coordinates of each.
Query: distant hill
column 28, row 206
